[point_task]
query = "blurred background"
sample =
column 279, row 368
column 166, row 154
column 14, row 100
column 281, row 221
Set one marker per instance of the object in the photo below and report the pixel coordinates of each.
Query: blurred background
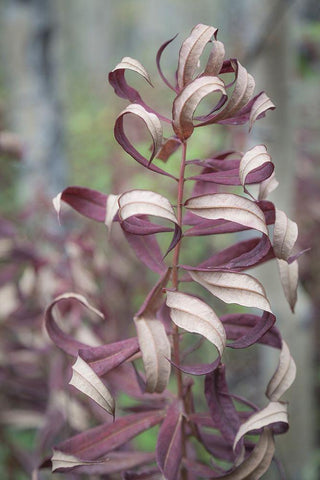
column 56, row 129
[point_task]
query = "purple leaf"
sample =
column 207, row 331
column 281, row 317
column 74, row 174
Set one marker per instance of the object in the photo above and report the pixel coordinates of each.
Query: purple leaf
column 198, row 369
column 100, row 440
column 246, row 329
column 242, row 255
column 169, row 444
column 123, row 140
column 90, row 203
column 107, row 357
column 220, row 404
column 231, row 176
column 158, row 58
column 147, row 250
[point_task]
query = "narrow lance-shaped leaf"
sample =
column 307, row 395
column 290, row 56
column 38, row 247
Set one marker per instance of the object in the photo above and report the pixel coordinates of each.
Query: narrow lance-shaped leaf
column 98, row 441
column 169, row 444
column 252, row 159
column 114, row 462
column 60, row 338
column 187, row 101
column 128, row 63
column 194, row 315
column 273, row 413
column 234, row 287
column 229, row 207
column 88, row 382
column 88, row 202
column 191, row 51
column 285, row 235
column 158, row 58
column 111, row 210
column 289, row 276
column 153, row 340
column 284, row 375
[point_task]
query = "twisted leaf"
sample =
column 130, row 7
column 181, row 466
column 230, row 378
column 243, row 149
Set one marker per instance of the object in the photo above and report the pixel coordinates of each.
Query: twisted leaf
column 284, row 375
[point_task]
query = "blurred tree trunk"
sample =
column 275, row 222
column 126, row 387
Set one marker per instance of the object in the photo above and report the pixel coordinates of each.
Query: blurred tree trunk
column 30, row 59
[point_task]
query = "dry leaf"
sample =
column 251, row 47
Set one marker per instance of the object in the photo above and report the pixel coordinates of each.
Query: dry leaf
column 234, row 287
column 274, row 412
column 289, row 276
column 284, row 375
column 128, row 63
column 215, row 60
column 194, row 315
column 191, row 51
column 187, row 101
column 252, row 159
column 260, row 106
column 88, row 382
column 285, row 235
column 229, row 207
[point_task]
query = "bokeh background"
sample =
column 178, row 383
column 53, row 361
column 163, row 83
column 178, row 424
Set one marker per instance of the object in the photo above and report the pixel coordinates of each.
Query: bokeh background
column 56, row 129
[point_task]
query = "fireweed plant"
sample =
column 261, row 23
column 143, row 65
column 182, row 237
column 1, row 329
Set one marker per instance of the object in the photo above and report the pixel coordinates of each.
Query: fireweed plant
column 168, row 311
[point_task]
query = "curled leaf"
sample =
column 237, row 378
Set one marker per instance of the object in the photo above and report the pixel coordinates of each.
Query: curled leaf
column 267, row 186
column 252, row 159
column 215, row 60
column 60, row 338
column 284, row 375
column 261, row 104
column 273, row 413
column 234, row 287
column 158, row 58
column 88, row 202
column 285, row 235
column 194, row 315
column 88, row 382
column 191, row 51
column 187, row 101
column 144, row 202
column 111, row 210
column 229, row 207
column 153, row 340
column 289, row 276
column 128, row 63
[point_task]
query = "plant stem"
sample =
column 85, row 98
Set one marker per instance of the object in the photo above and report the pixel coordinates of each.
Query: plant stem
column 175, row 284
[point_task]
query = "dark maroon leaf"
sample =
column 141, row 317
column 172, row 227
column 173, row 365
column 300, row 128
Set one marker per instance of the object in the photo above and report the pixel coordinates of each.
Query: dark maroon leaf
column 198, row 369
column 140, row 225
column 123, row 140
column 106, row 357
column 246, row 329
column 158, row 58
column 220, row 404
column 169, row 444
column 90, row 203
column 231, row 176
column 100, row 440
column 147, row 250
column 242, row 255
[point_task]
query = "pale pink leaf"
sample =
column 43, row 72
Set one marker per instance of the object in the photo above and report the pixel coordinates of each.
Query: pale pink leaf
column 187, row 101
column 87, row 381
column 153, row 340
column 285, row 235
column 289, row 276
column 194, row 315
column 191, row 51
column 215, row 60
column 64, row 460
column 128, row 63
column 274, row 412
column 152, row 123
column 267, row 186
column 145, row 202
column 228, row 206
column 112, row 208
column 284, row 375
column 252, row 159
column 260, row 106
column 233, row 287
